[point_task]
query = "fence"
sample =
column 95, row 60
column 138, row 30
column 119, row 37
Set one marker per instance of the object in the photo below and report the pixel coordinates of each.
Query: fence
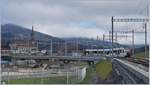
column 70, row 76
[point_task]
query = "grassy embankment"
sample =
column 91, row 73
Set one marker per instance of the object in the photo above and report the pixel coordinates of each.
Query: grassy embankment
column 102, row 69
column 89, row 74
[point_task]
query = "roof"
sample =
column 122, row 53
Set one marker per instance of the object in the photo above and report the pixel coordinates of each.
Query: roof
column 104, row 49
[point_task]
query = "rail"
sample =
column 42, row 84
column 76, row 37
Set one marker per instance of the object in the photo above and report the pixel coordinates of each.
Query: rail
column 138, row 75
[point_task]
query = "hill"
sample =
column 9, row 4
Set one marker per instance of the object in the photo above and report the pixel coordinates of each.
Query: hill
column 12, row 31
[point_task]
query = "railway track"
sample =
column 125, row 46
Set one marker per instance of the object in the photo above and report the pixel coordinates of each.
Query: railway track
column 143, row 62
column 132, row 73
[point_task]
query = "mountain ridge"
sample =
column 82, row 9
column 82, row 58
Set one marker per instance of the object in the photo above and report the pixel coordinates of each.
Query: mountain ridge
column 10, row 31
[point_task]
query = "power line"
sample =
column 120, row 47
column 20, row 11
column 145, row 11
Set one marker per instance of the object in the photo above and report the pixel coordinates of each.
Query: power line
column 145, row 20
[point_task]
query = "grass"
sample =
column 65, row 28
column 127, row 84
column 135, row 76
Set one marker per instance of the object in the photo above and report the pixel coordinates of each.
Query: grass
column 46, row 80
column 141, row 55
column 88, row 78
column 103, row 69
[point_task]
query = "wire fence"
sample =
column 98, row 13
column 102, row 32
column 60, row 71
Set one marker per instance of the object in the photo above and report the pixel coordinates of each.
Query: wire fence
column 55, row 76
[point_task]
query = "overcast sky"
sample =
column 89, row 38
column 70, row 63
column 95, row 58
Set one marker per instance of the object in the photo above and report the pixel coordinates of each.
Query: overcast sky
column 75, row 18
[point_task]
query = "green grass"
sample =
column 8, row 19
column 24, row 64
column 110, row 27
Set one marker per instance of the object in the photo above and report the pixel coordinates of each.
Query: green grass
column 141, row 55
column 103, row 69
column 46, row 80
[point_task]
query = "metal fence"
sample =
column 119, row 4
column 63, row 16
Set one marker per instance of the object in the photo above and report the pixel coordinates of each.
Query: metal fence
column 70, row 75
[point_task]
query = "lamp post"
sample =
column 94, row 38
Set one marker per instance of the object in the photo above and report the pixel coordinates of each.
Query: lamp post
column 66, row 48
column 51, row 47
column 112, row 34
column 133, row 43
column 103, row 43
column 145, row 26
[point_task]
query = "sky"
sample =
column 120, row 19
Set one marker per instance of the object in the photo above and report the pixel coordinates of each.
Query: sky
column 76, row 18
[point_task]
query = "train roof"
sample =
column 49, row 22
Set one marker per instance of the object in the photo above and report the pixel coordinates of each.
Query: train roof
column 104, row 49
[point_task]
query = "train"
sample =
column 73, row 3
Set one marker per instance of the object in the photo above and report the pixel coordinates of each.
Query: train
column 117, row 52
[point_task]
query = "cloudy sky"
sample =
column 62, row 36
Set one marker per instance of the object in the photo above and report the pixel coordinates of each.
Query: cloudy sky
column 75, row 18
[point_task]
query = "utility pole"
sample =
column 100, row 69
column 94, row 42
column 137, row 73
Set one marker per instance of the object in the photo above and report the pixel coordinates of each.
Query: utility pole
column 133, row 43
column 65, row 48
column 77, row 47
column 51, row 47
column 112, row 34
column 132, row 32
column 145, row 40
column 132, row 20
column 115, row 39
column 116, row 43
column 97, row 46
column 110, row 38
column 103, row 43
